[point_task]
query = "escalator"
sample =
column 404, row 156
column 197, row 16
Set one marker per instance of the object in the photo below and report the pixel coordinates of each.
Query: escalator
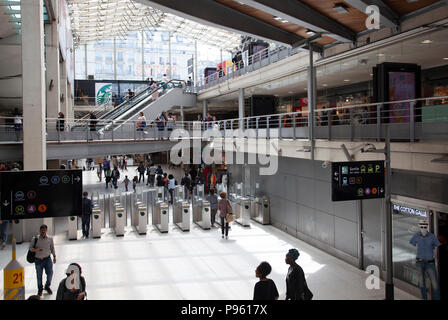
column 130, row 108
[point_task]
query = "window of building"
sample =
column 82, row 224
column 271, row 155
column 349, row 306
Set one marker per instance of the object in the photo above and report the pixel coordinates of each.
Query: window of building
column 120, row 56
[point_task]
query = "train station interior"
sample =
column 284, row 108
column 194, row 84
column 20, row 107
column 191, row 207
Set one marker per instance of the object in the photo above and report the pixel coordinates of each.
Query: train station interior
column 319, row 126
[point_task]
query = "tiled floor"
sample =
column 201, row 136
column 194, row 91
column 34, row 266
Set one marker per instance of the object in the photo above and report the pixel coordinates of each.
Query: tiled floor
column 194, row 265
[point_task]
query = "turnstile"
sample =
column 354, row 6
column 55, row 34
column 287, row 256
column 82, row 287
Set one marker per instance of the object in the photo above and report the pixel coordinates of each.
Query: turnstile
column 96, row 223
column 160, row 218
column 142, row 219
column 17, row 231
column 120, row 220
column 160, row 194
column 202, row 215
column 182, row 215
column 72, row 227
column 260, row 210
column 243, row 214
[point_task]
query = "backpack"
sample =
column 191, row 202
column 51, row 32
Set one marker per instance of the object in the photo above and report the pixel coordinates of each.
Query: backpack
column 117, row 174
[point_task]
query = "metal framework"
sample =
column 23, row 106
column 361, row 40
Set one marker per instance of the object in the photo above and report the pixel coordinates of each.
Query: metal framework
column 96, row 20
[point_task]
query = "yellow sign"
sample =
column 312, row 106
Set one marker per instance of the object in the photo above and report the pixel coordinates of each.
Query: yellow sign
column 14, row 284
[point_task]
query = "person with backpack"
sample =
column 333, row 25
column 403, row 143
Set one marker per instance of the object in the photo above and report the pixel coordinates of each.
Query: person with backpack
column 108, row 177
column 296, row 287
column 73, row 287
column 265, row 289
column 186, row 182
column 141, row 170
column 87, row 207
column 115, row 177
column 171, row 186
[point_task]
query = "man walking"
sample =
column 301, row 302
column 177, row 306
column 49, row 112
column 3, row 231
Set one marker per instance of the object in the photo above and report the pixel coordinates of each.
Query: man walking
column 141, row 170
column 43, row 247
column 87, row 207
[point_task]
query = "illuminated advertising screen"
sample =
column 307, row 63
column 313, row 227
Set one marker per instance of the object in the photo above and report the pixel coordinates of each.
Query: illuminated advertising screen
column 40, row 194
column 357, row 180
column 401, row 87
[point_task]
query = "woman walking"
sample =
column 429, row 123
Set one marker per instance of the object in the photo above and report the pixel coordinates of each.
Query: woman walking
column 224, row 209
column 296, row 287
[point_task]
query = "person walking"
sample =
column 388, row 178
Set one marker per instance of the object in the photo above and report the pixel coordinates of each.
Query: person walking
column 92, row 124
column 43, row 247
column 141, row 170
column 265, row 289
column 152, row 175
column 186, row 182
column 4, row 233
column 171, row 186
column 99, row 171
column 213, row 199
column 296, row 287
column 73, row 287
column 87, row 207
column 126, row 182
column 108, row 177
column 134, row 183
column 115, row 177
column 141, row 124
column 125, row 163
column 224, row 208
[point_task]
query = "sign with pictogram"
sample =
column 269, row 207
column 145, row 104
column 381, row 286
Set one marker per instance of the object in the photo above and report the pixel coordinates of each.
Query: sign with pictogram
column 357, row 180
column 40, row 194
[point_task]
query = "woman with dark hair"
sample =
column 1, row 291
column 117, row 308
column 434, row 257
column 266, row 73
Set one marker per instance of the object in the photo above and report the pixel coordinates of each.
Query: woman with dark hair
column 225, row 213
column 60, row 124
column 73, row 287
column 296, row 287
column 265, row 289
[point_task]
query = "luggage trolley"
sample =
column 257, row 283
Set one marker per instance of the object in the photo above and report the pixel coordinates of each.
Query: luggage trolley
column 181, row 209
column 201, row 209
column 160, row 218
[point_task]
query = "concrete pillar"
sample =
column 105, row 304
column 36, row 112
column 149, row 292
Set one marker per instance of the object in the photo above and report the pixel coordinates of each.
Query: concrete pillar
column 241, row 106
column 115, row 59
column 52, row 70
column 196, row 77
column 64, row 89
column 204, row 109
column 69, row 102
column 169, row 55
column 34, row 106
column 182, row 113
column 311, row 98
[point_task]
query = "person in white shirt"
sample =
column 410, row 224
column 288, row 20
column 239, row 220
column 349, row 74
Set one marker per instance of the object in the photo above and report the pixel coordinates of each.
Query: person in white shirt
column 141, row 124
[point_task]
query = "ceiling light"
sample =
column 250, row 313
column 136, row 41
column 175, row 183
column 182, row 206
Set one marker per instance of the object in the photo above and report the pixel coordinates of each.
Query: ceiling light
column 340, row 7
column 280, row 19
column 426, row 41
column 346, row 80
column 325, row 85
column 445, row 58
column 380, row 54
column 290, row 91
column 309, row 32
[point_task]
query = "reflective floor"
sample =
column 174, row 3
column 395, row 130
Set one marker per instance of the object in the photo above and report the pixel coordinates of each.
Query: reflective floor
column 193, row 265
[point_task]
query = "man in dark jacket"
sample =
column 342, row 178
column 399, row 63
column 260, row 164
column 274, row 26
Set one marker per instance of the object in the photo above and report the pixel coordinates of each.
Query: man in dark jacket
column 73, row 287
column 115, row 177
column 296, row 287
column 87, row 207
column 141, row 170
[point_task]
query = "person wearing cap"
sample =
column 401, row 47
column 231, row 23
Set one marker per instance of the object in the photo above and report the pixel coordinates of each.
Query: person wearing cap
column 73, row 287
column 296, row 287
column 426, row 242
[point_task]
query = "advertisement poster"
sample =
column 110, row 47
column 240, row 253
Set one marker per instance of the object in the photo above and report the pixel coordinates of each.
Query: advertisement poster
column 103, row 94
column 401, row 87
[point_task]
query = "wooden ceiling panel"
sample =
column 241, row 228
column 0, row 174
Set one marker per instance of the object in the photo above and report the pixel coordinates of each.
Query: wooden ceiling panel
column 402, row 7
column 268, row 18
column 354, row 19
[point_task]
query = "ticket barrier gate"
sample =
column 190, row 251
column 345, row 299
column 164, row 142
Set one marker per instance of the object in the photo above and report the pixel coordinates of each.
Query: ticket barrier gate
column 260, row 210
column 72, row 227
column 182, row 215
column 120, row 220
column 96, row 223
column 202, row 214
column 142, row 219
column 160, row 194
column 160, row 218
column 17, row 231
column 243, row 214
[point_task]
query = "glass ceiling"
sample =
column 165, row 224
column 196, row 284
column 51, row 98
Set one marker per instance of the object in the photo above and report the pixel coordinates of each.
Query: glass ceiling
column 96, row 20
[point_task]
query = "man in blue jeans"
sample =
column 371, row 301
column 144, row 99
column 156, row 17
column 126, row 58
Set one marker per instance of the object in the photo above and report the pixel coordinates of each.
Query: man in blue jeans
column 43, row 246
column 4, row 233
column 87, row 207
column 426, row 242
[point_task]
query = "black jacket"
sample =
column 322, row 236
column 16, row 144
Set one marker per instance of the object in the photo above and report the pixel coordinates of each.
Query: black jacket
column 66, row 294
column 295, row 284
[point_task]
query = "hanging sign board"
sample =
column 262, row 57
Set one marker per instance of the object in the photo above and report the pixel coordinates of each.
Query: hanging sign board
column 40, row 194
column 357, row 180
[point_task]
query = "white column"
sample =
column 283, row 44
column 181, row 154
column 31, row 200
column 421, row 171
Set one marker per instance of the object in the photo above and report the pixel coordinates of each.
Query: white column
column 64, row 90
column 204, row 109
column 143, row 56
column 169, row 56
column 196, row 75
column 241, row 106
column 115, row 59
column 52, row 72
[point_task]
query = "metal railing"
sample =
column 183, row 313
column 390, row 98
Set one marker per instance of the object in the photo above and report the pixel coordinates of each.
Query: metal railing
column 409, row 120
column 254, row 62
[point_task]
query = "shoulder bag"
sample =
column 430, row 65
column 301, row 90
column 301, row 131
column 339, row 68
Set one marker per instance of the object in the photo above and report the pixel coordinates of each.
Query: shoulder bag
column 31, row 256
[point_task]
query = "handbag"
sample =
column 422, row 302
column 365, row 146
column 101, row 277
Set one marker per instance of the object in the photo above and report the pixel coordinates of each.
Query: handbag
column 308, row 295
column 230, row 217
column 31, row 256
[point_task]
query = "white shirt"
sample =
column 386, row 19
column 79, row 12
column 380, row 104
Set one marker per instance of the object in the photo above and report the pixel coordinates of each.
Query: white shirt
column 17, row 120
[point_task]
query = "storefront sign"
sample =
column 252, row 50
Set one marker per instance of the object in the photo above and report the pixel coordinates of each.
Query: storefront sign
column 409, row 210
column 357, row 180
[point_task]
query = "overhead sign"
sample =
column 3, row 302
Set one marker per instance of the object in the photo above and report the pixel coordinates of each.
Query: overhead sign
column 357, row 180
column 409, row 210
column 40, row 194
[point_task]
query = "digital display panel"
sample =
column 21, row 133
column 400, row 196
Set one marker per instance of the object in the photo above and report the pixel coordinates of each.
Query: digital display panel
column 40, row 194
column 357, row 180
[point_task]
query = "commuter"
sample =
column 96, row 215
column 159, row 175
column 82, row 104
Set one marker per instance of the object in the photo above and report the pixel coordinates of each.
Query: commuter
column 160, row 122
column 92, row 124
column 62, row 166
column 152, row 175
column 265, row 289
column 43, row 247
column 171, row 186
column 115, row 177
column 60, row 124
column 99, row 171
column 87, row 207
column 164, row 82
column 126, row 182
column 209, row 121
column 106, row 165
column 151, row 83
column 4, row 233
column 119, row 100
column 213, row 180
column 141, row 124
column 189, row 85
column 70, row 164
column 213, row 199
column 186, row 182
column 17, row 123
column 215, row 124
column 134, row 183
column 141, row 170
column 131, row 94
column 71, row 288
column 159, row 170
column 165, row 182
column 160, row 182
column 170, row 122
column 2, row 167
column 225, row 209
column 125, row 163
column 108, row 177
column 296, row 287
column 193, row 173
column 148, row 173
